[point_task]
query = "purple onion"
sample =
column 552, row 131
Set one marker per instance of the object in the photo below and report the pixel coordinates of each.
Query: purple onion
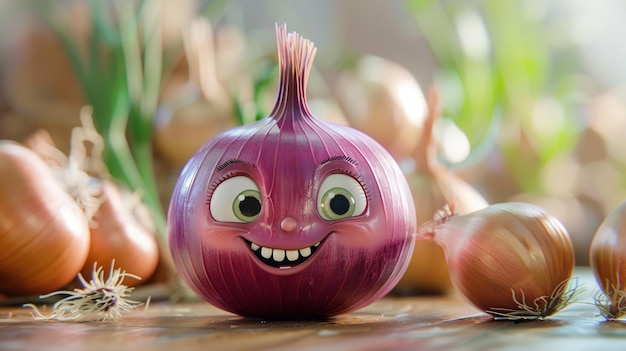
column 291, row 217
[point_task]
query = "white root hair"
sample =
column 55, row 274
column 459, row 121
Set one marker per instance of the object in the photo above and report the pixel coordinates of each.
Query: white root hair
column 100, row 299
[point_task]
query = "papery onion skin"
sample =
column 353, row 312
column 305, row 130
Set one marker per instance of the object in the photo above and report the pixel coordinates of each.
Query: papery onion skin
column 288, row 155
column 505, row 249
column 44, row 233
column 608, row 260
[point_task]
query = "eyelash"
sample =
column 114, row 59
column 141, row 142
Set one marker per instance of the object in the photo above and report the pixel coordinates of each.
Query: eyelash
column 217, row 182
column 340, row 157
column 359, row 179
column 222, row 178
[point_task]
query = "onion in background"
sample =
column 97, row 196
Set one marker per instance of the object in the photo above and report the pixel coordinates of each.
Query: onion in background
column 383, row 100
column 201, row 108
column 38, row 80
column 432, row 187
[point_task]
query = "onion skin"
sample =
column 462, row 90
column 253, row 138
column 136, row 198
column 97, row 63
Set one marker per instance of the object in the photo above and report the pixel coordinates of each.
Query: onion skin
column 116, row 235
column 607, row 257
column 505, row 249
column 289, row 155
column 44, row 233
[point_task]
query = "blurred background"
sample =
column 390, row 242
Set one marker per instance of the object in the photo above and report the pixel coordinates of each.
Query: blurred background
column 531, row 92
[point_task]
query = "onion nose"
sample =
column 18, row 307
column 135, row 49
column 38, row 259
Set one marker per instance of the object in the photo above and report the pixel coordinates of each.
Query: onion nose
column 288, row 224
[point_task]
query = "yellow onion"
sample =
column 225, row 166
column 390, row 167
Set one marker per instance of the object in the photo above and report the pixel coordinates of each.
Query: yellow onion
column 117, row 235
column 512, row 260
column 38, row 82
column 200, row 109
column 432, row 187
column 44, row 233
column 116, row 232
column 382, row 99
column 608, row 262
column 180, row 132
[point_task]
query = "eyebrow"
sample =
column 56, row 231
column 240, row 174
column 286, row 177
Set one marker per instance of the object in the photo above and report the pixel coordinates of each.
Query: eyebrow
column 340, row 158
column 231, row 162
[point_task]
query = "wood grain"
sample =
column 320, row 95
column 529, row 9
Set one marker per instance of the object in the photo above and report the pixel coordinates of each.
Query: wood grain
column 393, row 323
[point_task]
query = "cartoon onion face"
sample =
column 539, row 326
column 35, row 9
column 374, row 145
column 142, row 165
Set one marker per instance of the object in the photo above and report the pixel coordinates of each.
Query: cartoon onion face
column 291, row 217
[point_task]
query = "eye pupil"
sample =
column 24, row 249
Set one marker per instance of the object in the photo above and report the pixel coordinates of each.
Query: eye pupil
column 249, row 206
column 236, row 200
column 339, row 204
column 340, row 196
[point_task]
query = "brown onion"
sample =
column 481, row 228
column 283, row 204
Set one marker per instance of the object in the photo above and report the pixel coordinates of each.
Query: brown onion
column 38, row 80
column 202, row 107
column 117, row 235
column 44, row 234
column 384, row 100
column 511, row 260
column 116, row 231
column 433, row 186
column 608, row 262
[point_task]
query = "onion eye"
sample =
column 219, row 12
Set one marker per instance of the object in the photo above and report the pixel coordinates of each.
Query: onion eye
column 236, row 199
column 341, row 196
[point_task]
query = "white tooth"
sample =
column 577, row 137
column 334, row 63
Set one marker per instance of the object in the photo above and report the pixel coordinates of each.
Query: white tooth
column 292, row 255
column 318, row 244
column 254, row 246
column 266, row 252
column 306, row 252
column 279, row 255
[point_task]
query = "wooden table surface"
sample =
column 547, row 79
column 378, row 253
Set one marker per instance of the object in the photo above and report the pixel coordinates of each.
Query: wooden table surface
column 392, row 323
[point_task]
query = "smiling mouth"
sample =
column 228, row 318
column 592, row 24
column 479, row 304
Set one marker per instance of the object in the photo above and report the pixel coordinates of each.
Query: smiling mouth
column 281, row 258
